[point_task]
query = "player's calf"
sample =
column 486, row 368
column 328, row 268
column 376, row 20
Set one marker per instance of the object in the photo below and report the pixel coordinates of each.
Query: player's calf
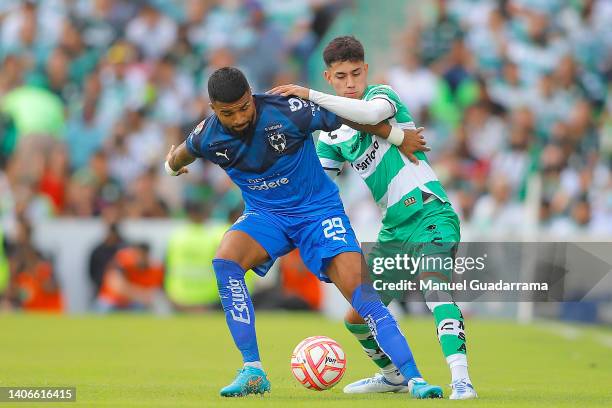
column 451, row 335
column 240, row 318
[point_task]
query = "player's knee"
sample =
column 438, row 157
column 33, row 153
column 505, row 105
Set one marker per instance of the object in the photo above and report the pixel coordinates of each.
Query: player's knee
column 226, row 269
column 345, row 271
column 353, row 317
column 226, row 251
column 434, row 299
column 238, row 247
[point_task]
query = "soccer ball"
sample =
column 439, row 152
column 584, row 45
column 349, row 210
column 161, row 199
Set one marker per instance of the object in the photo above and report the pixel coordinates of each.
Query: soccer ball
column 318, row 363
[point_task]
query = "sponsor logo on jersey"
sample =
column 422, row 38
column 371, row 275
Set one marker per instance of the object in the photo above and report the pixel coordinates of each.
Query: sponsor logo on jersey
column 369, row 158
column 278, row 142
column 295, row 104
column 268, row 185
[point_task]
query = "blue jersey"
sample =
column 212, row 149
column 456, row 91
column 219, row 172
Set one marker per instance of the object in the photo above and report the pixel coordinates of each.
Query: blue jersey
column 276, row 167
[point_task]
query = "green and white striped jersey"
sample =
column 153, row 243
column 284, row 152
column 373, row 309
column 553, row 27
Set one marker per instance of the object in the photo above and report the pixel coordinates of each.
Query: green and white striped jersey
column 394, row 181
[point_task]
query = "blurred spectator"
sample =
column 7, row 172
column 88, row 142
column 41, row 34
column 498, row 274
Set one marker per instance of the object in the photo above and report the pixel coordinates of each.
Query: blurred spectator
column 142, row 199
column 496, row 212
column 485, row 132
column 102, row 254
column 33, row 286
column 84, row 133
column 578, row 221
column 437, row 39
column 190, row 280
column 513, row 162
column 151, row 31
column 132, row 281
column 53, row 180
column 414, row 83
column 4, row 272
column 174, row 90
column 507, row 89
column 536, row 52
column 298, row 282
column 34, row 111
column 489, row 42
column 26, row 33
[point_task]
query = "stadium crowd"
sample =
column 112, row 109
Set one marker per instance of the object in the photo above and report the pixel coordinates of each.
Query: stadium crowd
column 507, row 89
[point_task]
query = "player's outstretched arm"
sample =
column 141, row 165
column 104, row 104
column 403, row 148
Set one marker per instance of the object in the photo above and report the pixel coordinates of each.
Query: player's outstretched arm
column 177, row 159
column 366, row 116
column 367, row 112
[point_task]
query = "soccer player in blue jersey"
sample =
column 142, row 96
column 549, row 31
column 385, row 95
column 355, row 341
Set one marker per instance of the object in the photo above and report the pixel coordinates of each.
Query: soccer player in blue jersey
column 264, row 144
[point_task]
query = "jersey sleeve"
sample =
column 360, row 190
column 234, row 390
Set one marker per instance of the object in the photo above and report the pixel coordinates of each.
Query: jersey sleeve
column 322, row 119
column 329, row 156
column 194, row 140
column 386, row 93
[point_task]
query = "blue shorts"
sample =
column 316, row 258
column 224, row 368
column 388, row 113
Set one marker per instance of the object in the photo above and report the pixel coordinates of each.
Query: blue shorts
column 319, row 238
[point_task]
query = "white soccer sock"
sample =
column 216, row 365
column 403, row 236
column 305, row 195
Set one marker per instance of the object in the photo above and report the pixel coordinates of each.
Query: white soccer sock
column 459, row 367
column 392, row 374
column 256, row 364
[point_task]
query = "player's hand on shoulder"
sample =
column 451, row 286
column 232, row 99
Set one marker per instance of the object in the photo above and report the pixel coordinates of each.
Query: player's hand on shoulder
column 289, row 90
column 413, row 142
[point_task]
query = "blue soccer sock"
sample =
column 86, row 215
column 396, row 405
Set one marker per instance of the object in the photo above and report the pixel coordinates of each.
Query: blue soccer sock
column 238, row 307
column 383, row 326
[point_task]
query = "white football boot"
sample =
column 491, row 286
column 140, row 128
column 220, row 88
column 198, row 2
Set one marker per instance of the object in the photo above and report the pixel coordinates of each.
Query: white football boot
column 462, row 390
column 376, row 384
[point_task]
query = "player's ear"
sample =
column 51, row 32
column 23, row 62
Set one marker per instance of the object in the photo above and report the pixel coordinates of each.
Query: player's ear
column 327, row 76
column 365, row 68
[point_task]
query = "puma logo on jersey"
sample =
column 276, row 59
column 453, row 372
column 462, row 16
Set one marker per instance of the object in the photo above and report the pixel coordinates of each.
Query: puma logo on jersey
column 224, row 154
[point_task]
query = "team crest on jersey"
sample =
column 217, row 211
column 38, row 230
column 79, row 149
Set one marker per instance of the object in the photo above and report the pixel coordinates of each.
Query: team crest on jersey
column 278, row 142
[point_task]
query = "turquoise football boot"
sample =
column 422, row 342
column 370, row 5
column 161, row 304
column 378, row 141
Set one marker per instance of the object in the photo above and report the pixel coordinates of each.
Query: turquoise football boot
column 419, row 388
column 250, row 380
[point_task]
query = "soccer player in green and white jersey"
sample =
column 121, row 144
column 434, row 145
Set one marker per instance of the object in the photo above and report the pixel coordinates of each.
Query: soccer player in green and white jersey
column 414, row 204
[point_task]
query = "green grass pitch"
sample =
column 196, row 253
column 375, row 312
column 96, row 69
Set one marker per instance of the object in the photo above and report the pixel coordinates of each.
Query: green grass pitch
column 147, row 361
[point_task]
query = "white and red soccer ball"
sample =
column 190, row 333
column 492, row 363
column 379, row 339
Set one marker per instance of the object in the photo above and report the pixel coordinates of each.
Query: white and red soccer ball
column 318, row 363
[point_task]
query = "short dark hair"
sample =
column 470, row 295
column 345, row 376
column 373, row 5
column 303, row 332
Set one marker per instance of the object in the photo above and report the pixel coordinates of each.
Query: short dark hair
column 346, row 48
column 227, row 84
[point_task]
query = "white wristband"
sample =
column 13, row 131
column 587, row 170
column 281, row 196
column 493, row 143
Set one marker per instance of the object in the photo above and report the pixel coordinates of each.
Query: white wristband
column 169, row 170
column 396, row 136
